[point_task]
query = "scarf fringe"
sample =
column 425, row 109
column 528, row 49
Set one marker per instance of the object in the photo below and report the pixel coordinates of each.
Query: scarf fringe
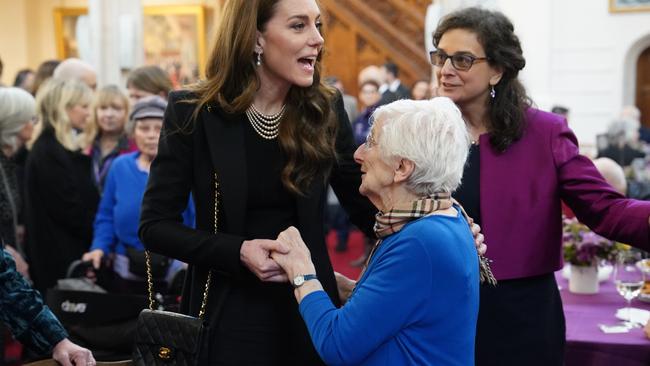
column 485, row 271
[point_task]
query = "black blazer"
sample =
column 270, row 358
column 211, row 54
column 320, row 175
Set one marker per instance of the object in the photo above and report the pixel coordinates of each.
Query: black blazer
column 186, row 162
column 61, row 201
column 402, row 92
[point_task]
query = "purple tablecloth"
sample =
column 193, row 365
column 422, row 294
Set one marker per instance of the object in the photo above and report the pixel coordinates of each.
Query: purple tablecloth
column 587, row 345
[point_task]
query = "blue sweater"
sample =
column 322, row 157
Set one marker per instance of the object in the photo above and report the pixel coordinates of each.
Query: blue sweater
column 116, row 222
column 416, row 304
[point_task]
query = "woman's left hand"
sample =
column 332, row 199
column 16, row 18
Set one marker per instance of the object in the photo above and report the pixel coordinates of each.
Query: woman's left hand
column 298, row 259
column 479, row 239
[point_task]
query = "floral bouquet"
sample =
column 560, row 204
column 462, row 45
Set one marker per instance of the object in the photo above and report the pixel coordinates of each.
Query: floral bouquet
column 583, row 247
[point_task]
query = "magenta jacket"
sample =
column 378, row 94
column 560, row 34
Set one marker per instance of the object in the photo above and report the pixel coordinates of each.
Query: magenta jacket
column 521, row 191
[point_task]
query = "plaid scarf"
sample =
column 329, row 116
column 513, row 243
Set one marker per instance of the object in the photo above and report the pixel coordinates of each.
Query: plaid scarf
column 390, row 222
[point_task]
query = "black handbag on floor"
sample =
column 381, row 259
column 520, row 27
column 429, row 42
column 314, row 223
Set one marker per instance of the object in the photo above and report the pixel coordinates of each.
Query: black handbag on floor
column 164, row 338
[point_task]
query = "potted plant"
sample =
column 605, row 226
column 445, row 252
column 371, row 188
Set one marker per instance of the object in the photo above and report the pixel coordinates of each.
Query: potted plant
column 583, row 249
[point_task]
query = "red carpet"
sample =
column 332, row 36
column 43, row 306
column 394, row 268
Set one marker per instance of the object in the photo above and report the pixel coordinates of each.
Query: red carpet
column 13, row 351
column 341, row 260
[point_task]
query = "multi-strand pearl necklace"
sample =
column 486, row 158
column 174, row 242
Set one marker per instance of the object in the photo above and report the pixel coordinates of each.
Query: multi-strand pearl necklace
column 267, row 126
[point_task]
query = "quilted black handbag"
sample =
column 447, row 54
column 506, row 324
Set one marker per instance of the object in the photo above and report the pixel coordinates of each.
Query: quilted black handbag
column 164, row 338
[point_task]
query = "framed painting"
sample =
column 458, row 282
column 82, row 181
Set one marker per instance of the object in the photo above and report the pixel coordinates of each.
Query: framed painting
column 623, row 6
column 66, row 21
column 174, row 38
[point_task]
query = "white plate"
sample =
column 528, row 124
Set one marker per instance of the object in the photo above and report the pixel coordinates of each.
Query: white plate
column 603, row 272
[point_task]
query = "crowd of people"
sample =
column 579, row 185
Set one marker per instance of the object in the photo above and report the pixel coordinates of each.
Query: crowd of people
column 74, row 168
column 226, row 183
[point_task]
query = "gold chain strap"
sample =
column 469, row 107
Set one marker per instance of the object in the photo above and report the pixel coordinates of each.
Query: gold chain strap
column 204, row 302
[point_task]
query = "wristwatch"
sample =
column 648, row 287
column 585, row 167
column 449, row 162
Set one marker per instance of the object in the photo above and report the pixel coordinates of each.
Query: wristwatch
column 299, row 280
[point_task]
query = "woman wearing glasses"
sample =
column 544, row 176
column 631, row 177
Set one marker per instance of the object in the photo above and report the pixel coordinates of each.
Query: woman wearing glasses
column 522, row 163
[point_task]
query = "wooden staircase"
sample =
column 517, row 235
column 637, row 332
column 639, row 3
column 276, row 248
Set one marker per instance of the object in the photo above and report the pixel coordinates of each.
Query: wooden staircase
column 370, row 32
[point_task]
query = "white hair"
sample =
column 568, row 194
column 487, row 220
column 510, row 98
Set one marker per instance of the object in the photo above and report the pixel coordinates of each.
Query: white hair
column 630, row 112
column 624, row 130
column 432, row 134
column 613, row 174
column 17, row 108
column 73, row 68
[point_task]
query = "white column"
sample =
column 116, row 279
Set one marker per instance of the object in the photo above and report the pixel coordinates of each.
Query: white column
column 115, row 38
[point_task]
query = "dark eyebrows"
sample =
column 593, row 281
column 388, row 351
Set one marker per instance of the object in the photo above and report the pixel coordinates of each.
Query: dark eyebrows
column 469, row 53
column 303, row 17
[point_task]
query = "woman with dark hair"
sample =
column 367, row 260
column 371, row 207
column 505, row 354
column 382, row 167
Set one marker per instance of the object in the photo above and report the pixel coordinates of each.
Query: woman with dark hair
column 25, row 80
column 522, row 164
column 146, row 81
column 43, row 73
column 262, row 136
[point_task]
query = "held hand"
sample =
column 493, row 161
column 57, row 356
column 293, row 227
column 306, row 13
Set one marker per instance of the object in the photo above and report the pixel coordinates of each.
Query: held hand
column 68, row 354
column 344, row 286
column 297, row 259
column 647, row 329
column 94, row 256
column 479, row 239
column 255, row 254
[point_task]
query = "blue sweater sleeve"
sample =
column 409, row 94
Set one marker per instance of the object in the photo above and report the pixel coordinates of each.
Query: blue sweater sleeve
column 386, row 300
column 104, row 228
column 22, row 309
column 189, row 215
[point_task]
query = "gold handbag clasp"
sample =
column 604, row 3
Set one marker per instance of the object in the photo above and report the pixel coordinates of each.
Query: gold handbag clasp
column 164, row 353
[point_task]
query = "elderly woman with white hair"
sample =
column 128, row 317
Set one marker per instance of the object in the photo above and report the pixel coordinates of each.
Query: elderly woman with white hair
column 17, row 116
column 417, row 300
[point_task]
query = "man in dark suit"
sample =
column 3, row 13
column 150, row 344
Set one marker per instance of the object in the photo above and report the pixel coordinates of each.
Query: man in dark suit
column 392, row 84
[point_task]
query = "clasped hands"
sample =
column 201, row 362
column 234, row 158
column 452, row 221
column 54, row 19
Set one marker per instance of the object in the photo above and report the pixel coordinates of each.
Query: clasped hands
column 284, row 258
column 277, row 260
column 288, row 256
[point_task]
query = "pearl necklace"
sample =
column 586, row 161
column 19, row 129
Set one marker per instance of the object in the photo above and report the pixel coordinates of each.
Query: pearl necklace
column 267, row 126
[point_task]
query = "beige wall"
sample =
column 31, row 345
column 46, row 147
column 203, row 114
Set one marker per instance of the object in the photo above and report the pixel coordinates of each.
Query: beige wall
column 13, row 50
column 27, row 30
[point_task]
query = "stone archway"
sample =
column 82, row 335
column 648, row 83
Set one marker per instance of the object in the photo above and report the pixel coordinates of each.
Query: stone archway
column 642, row 99
column 630, row 73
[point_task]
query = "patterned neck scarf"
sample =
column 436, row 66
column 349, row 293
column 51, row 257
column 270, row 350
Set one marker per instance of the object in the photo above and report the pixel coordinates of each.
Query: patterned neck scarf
column 391, row 222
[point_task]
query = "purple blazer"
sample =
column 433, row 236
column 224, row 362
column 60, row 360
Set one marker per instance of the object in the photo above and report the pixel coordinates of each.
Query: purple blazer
column 521, row 191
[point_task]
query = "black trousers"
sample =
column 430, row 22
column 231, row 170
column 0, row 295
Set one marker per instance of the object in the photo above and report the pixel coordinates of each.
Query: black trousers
column 521, row 322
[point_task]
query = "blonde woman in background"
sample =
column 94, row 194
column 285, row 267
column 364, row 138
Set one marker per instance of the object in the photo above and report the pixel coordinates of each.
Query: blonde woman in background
column 107, row 138
column 61, row 198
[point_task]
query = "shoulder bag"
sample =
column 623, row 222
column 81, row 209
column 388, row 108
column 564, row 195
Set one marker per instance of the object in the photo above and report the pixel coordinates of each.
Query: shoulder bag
column 165, row 338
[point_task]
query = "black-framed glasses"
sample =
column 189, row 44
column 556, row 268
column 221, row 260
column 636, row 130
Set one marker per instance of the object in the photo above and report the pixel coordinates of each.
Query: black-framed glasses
column 460, row 61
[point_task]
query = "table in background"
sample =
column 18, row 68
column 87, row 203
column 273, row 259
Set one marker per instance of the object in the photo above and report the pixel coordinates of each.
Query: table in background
column 587, row 345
